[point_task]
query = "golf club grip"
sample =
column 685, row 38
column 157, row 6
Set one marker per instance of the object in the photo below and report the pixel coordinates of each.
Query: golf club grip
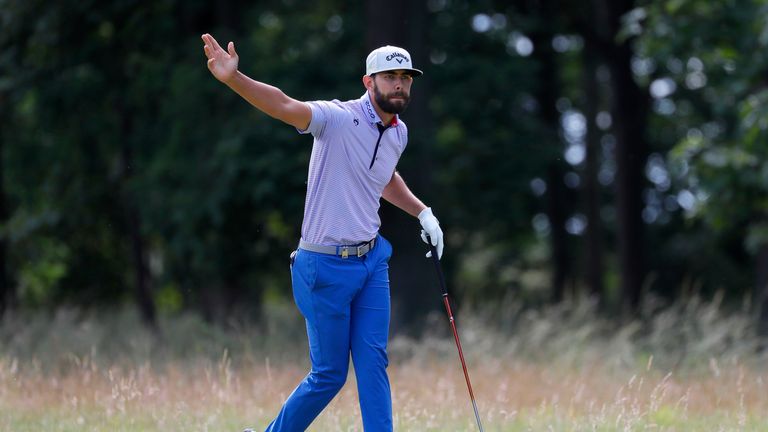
column 438, row 267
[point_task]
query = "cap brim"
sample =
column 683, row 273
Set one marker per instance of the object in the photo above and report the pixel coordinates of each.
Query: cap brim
column 413, row 72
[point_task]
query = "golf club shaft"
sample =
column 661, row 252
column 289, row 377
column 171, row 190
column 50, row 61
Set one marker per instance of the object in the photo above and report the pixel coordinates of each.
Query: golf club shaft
column 448, row 310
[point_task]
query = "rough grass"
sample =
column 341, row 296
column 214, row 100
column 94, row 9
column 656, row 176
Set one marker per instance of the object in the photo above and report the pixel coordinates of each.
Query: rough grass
column 683, row 368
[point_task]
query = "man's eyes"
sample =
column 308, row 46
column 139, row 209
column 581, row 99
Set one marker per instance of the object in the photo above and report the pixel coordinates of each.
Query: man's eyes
column 393, row 77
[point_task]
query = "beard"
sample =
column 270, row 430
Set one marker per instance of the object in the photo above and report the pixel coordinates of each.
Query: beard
column 386, row 103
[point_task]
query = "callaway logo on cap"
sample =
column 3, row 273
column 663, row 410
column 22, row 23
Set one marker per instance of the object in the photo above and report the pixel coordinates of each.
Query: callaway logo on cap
column 389, row 58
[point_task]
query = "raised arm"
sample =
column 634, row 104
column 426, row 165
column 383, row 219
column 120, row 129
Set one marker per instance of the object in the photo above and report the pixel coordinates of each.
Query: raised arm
column 268, row 99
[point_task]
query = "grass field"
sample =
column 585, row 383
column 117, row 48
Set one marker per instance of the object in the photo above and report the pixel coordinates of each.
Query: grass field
column 75, row 373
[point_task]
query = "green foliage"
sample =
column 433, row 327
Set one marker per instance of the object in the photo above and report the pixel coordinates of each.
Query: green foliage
column 41, row 273
column 169, row 299
column 723, row 158
column 218, row 188
column 108, row 107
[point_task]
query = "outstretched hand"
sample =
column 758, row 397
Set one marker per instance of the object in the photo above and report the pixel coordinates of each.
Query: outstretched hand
column 222, row 64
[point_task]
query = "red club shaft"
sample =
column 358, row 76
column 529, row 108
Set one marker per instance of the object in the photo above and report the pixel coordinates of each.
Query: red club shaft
column 458, row 345
column 441, row 278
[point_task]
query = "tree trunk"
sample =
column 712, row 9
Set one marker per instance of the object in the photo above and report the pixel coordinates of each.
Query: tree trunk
column 141, row 270
column 630, row 161
column 386, row 28
column 547, row 94
column 5, row 286
column 410, row 276
column 144, row 299
column 761, row 292
column 629, row 109
column 558, row 238
column 593, row 241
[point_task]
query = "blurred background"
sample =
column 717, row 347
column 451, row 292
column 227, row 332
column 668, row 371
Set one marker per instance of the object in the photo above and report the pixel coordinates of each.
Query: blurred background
column 610, row 151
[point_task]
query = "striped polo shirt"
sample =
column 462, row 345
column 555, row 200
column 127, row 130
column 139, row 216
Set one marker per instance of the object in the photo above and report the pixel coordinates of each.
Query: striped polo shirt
column 353, row 158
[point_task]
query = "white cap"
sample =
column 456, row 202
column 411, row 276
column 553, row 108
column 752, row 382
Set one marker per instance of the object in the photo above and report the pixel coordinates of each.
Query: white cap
column 389, row 58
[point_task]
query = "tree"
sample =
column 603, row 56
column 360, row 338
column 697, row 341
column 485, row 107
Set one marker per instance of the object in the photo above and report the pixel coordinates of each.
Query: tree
column 629, row 108
column 548, row 89
column 5, row 286
column 594, row 230
column 74, row 182
column 229, row 239
column 720, row 158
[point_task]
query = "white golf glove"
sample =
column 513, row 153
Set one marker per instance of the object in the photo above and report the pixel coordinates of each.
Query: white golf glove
column 431, row 227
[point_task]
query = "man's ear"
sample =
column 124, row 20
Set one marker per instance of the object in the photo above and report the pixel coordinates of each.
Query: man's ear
column 368, row 82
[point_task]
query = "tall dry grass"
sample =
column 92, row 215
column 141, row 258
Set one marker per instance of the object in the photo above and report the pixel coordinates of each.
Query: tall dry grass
column 685, row 367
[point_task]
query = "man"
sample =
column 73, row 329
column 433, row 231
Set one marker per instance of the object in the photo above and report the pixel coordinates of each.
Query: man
column 339, row 272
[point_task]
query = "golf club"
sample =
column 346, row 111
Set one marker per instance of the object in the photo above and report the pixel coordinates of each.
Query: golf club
column 441, row 278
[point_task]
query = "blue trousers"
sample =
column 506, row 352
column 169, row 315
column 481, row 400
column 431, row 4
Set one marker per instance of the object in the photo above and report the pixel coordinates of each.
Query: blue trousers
column 345, row 303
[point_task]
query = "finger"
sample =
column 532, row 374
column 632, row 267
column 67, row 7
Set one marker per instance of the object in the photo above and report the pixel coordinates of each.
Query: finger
column 209, row 48
column 215, row 43
column 424, row 236
column 440, row 249
column 434, row 240
column 231, row 49
column 208, row 41
column 429, row 254
column 210, row 63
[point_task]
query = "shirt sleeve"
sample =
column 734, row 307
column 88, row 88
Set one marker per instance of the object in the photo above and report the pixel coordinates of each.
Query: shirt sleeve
column 325, row 117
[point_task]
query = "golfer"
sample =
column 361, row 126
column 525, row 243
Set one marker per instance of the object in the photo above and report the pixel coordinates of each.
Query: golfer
column 339, row 272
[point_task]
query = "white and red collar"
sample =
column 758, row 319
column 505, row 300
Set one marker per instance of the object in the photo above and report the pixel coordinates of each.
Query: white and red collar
column 370, row 111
